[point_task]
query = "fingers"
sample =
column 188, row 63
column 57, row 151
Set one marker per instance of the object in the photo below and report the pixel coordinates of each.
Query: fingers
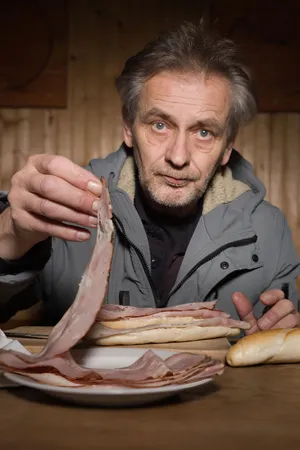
column 245, row 311
column 271, row 297
column 279, row 311
column 58, row 190
column 47, row 227
column 54, row 211
column 282, row 313
column 46, row 197
column 290, row 321
column 50, row 191
column 63, row 168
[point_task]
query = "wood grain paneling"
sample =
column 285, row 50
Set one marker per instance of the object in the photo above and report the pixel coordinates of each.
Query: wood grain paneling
column 102, row 36
column 33, row 53
column 268, row 34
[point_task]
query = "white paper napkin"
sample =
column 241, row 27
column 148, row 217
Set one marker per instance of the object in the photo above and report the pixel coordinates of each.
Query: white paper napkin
column 9, row 344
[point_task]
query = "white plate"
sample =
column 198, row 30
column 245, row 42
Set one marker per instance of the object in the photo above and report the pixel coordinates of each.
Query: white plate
column 113, row 358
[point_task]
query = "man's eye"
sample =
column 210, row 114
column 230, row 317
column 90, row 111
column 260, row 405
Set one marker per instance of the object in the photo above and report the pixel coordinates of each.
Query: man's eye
column 159, row 126
column 204, row 134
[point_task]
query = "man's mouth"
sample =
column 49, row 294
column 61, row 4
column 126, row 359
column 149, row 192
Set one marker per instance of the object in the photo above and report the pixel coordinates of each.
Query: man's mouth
column 176, row 182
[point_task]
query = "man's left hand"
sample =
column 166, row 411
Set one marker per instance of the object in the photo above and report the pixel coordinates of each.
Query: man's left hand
column 282, row 313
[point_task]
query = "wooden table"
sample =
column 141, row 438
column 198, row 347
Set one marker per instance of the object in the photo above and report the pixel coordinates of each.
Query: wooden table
column 249, row 408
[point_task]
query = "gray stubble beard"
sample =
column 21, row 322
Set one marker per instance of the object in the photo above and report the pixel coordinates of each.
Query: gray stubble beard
column 181, row 209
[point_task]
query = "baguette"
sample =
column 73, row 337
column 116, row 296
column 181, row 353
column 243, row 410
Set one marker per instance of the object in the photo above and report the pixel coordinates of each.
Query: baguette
column 161, row 335
column 266, row 347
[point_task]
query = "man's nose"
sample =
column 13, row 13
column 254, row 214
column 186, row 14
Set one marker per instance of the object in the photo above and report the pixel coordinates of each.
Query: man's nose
column 178, row 153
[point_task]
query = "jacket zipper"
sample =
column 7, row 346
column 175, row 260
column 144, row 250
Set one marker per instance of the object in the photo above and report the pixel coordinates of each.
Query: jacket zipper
column 119, row 225
column 246, row 241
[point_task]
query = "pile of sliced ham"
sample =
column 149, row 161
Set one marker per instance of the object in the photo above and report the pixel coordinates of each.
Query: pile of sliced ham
column 117, row 324
column 55, row 364
column 197, row 310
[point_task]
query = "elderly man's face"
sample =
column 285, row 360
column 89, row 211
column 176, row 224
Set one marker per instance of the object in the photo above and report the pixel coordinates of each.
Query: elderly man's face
column 179, row 136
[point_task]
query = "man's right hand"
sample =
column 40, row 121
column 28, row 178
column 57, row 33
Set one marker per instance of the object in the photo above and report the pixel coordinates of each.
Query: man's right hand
column 48, row 192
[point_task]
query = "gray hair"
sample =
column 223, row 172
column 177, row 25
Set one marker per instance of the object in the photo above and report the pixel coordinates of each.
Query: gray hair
column 190, row 48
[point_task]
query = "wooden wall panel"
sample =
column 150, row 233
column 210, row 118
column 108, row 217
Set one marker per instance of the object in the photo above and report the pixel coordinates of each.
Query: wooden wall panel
column 278, row 143
column 33, row 53
column 101, row 38
column 272, row 144
column 268, row 34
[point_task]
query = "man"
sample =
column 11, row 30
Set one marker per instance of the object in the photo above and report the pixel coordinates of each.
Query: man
column 191, row 223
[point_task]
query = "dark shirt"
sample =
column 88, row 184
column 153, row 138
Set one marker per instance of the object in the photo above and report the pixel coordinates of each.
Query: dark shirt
column 168, row 240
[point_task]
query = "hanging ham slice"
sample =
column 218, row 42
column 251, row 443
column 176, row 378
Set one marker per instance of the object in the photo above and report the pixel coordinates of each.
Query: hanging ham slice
column 81, row 315
column 55, row 364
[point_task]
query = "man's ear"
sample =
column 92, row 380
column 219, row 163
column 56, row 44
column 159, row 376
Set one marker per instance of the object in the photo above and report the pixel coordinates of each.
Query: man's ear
column 127, row 128
column 127, row 133
column 227, row 154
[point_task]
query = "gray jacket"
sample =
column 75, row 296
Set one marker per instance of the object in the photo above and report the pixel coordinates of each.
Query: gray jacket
column 241, row 243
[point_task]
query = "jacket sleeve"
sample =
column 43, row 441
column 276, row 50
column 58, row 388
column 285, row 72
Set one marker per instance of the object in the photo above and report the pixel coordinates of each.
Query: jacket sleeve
column 37, row 275
column 18, row 277
column 26, row 281
column 287, row 264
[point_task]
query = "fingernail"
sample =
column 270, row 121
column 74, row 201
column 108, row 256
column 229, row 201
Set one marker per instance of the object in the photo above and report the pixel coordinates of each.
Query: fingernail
column 93, row 220
column 263, row 324
column 83, row 236
column 266, row 296
column 95, row 205
column 95, row 188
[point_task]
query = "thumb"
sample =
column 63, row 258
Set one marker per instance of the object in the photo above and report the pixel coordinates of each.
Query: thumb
column 244, row 309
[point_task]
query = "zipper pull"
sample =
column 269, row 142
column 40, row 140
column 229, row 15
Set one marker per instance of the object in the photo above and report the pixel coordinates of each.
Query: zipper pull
column 124, row 298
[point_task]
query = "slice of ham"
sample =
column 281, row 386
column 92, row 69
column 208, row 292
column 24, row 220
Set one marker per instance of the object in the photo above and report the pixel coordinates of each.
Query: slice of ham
column 176, row 369
column 55, row 364
column 64, row 364
column 148, row 371
column 78, row 319
column 200, row 309
column 82, row 314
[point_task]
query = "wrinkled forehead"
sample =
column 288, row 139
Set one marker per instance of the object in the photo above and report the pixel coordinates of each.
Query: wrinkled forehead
column 187, row 97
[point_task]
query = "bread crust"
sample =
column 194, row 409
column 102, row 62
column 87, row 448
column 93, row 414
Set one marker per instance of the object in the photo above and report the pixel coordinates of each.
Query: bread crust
column 161, row 335
column 274, row 346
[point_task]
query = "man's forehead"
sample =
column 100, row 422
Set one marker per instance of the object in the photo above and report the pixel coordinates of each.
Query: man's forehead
column 169, row 91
